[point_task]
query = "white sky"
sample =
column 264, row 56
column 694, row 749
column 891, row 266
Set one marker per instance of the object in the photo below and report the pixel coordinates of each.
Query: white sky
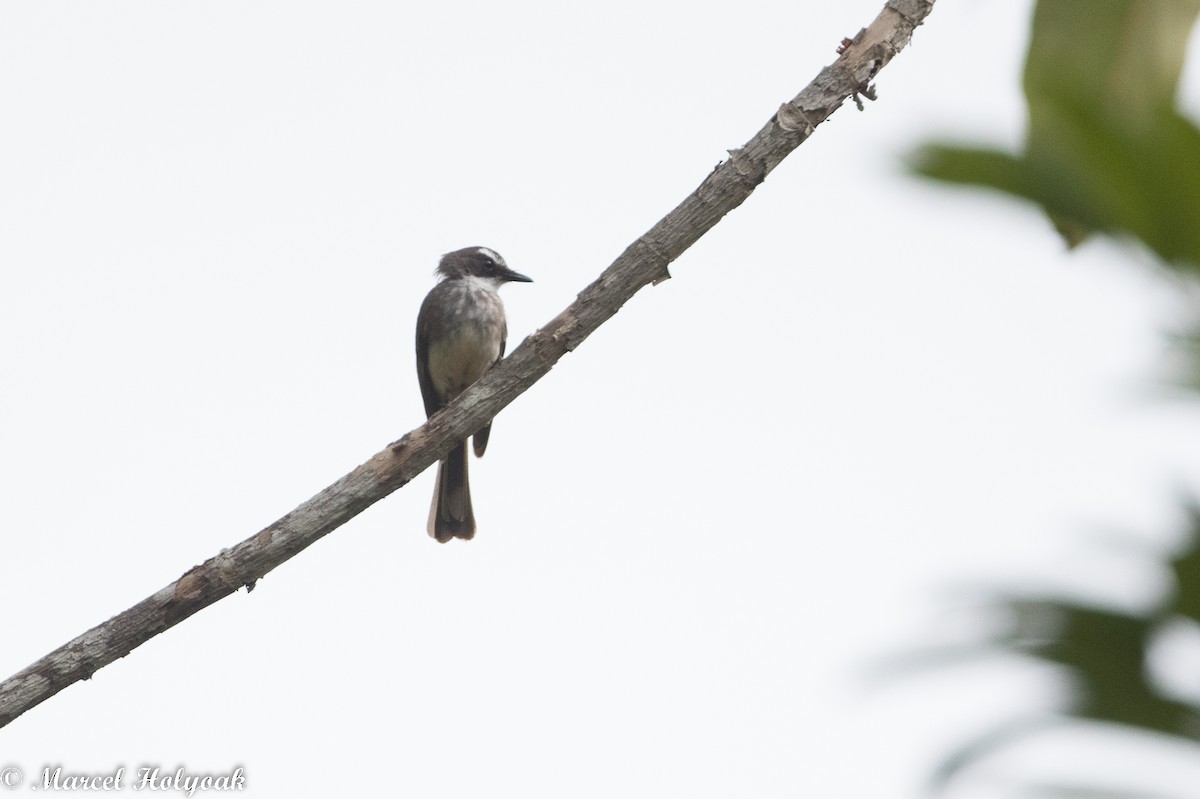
column 217, row 222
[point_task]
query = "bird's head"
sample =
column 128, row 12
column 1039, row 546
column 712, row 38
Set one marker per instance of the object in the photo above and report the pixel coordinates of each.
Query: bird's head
column 479, row 262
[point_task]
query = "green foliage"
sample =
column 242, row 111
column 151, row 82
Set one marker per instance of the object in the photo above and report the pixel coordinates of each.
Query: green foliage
column 1106, row 151
column 1105, row 652
column 1186, row 569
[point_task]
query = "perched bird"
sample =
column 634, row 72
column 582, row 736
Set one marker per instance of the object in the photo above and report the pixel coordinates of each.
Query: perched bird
column 460, row 335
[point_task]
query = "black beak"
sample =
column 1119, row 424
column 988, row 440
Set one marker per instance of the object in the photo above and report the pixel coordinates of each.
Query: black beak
column 515, row 277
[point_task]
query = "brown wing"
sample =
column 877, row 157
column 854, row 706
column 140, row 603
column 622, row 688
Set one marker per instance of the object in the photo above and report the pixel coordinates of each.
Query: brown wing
column 433, row 402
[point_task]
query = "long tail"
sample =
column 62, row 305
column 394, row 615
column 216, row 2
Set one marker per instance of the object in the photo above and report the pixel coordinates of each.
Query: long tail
column 451, row 515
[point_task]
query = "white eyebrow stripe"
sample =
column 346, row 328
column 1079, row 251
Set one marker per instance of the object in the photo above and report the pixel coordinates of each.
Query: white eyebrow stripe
column 495, row 256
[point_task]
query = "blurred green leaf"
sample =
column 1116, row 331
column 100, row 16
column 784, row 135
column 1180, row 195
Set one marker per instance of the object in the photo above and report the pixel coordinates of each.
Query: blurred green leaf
column 1124, row 57
column 1186, row 568
column 994, row 739
column 973, row 166
column 1106, row 151
column 1105, row 652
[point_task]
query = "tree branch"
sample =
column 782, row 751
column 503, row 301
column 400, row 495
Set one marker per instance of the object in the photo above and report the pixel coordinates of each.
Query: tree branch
column 643, row 262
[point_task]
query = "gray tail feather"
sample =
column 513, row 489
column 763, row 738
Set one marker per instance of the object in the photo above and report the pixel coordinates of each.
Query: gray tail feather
column 451, row 515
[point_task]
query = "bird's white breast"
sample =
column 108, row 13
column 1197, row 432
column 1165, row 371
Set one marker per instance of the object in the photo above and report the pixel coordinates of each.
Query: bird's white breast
column 472, row 336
